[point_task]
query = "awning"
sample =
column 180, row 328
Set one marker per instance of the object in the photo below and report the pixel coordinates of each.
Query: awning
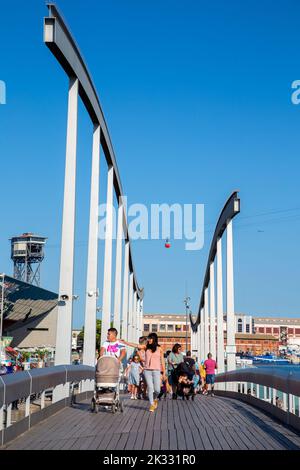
column 11, row 351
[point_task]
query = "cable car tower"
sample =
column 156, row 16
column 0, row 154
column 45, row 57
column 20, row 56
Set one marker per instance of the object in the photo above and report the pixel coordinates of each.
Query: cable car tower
column 27, row 253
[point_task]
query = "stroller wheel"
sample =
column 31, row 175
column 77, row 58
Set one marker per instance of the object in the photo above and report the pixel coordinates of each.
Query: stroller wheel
column 121, row 406
column 113, row 409
column 193, row 397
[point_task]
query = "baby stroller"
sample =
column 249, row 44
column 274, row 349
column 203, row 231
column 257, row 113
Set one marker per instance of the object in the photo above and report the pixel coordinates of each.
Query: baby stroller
column 107, row 385
column 184, row 382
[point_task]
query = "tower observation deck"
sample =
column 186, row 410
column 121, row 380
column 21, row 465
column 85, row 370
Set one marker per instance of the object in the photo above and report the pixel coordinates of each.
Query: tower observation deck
column 27, row 253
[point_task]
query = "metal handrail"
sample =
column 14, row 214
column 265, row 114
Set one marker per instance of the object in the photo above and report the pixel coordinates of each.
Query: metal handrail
column 283, row 380
column 23, row 384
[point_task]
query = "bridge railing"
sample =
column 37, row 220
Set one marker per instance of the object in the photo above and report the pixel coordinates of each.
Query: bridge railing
column 26, row 397
column 276, row 391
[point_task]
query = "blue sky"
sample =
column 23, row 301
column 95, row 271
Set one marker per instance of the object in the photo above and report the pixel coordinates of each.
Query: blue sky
column 197, row 97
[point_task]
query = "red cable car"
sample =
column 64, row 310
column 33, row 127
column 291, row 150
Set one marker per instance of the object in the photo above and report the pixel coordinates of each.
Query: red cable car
column 167, row 244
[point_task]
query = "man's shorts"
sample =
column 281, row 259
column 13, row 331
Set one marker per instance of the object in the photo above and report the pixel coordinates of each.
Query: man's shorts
column 210, row 379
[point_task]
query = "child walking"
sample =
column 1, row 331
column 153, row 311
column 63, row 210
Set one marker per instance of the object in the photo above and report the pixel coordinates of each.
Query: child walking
column 134, row 376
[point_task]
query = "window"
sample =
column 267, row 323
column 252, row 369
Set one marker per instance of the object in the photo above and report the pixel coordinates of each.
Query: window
column 247, row 328
column 268, row 330
column 261, row 330
column 154, row 328
column 185, row 327
column 146, row 327
column 275, row 331
column 170, row 327
column 297, row 331
column 177, row 327
column 290, row 331
column 162, row 328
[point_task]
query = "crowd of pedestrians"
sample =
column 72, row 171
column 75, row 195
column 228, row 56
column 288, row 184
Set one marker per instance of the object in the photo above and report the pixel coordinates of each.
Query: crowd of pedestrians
column 152, row 374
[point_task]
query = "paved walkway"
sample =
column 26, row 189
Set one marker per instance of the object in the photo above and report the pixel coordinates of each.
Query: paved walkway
column 207, row 423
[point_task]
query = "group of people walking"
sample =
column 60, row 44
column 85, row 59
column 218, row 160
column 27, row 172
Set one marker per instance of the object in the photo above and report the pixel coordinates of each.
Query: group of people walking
column 153, row 374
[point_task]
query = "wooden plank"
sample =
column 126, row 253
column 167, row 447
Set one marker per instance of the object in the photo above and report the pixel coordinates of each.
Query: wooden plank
column 68, row 444
column 112, row 445
column 164, row 416
column 189, row 439
column 182, row 414
column 122, row 441
column 205, row 439
column 104, row 440
column 213, row 439
column 177, row 421
column 197, row 440
column 231, row 442
column 157, row 416
column 181, row 439
column 170, row 414
column 131, row 440
column 147, row 444
column 220, row 437
column 138, row 445
column 173, row 439
column 235, row 435
column 164, row 443
column 156, row 439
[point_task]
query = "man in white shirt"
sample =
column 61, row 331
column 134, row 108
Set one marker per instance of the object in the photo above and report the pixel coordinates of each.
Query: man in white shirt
column 113, row 346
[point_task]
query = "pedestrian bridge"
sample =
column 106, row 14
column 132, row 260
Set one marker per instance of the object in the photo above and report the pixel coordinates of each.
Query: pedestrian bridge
column 54, row 402
column 242, row 415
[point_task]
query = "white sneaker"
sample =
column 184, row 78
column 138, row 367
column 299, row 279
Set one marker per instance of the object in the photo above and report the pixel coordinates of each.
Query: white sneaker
column 135, row 398
column 132, row 397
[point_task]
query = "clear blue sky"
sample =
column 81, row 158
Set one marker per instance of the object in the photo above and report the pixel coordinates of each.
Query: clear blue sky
column 197, row 96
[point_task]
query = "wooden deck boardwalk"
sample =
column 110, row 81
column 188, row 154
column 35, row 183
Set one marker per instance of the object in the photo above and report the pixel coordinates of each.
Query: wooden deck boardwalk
column 205, row 424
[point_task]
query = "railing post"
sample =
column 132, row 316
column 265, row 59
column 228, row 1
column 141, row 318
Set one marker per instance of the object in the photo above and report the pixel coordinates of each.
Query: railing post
column 199, row 342
column 63, row 349
column 206, row 325
column 230, row 347
column 125, row 293
column 1, row 417
column 27, row 406
column 212, row 312
column 89, row 345
column 220, row 328
column 118, row 273
column 202, row 341
column 285, row 401
column 65, row 305
column 43, row 400
column 106, row 304
column 8, row 415
column 134, row 323
column 130, row 307
column 291, row 404
column 274, row 396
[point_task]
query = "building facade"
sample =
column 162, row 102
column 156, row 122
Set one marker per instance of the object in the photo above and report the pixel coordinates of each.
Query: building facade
column 254, row 335
column 170, row 329
column 285, row 330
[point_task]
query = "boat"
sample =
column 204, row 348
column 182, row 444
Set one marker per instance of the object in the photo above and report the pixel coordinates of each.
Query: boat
column 243, row 361
column 270, row 359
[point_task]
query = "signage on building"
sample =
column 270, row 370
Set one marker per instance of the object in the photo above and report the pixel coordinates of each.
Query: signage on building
column 5, row 341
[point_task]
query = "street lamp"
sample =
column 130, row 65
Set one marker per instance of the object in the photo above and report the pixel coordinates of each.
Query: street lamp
column 187, row 309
